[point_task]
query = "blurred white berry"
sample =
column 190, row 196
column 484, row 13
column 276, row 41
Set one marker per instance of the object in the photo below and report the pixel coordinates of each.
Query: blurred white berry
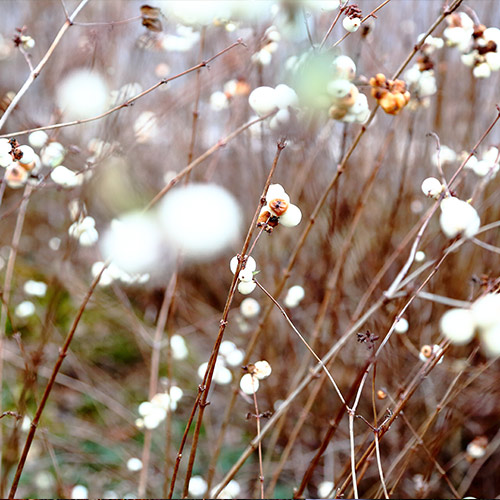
column 35, row 288
column 25, row 309
column 481, row 71
column 134, row 464
column 351, row 24
column 179, row 348
column 339, row 88
column 294, row 296
column 486, row 310
column 218, row 101
column 420, row 256
column 490, row 340
column 469, row 58
column 197, row 486
column 285, row 96
column 401, row 326
column 427, row 351
column 446, row 156
column 249, row 384
column 344, row 67
column 82, row 94
column 38, row 139
column 458, row 217
column 52, row 154
column 79, row 491
column 263, row 100
column 427, row 84
column 249, row 308
column 458, row 325
column 325, row 488
column 200, row 220
column 66, row 177
column 28, row 155
column 492, row 34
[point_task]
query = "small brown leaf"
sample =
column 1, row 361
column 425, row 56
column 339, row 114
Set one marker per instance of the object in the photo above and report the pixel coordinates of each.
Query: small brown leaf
column 152, row 24
column 148, row 11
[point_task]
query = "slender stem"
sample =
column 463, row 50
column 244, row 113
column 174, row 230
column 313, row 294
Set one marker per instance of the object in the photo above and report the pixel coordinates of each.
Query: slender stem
column 261, row 472
column 50, row 384
column 35, row 72
column 201, row 403
column 318, row 359
column 125, row 104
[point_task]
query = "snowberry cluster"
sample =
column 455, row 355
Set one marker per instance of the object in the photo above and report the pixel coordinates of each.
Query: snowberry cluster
column 19, row 161
column 282, row 98
column 259, row 370
column 246, row 283
column 488, row 165
column 278, row 209
column 348, row 104
column 479, row 45
column 390, row 94
column 459, row 324
column 153, row 412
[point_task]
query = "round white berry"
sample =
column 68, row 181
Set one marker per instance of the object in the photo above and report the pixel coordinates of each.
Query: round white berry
column 38, row 139
column 351, row 24
column 432, row 187
column 285, row 96
column 492, row 34
column 486, row 310
column 493, row 60
column 344, row 67
column 246, row 287
column 457, row 217
column 490, row 340
column 249, row 384
column 277, row 191
column 249, row 307
column 262, row 369
column 291, row 217
column 482, row 71
column 458, row 325
column 250, row 265
column 401, row 326
column 245, row 275
column 263, row 100
column 339, row 88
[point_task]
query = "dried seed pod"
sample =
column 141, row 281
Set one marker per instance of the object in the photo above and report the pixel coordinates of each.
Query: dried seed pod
column 264, row 216
column 426, row 351
column 278, row 206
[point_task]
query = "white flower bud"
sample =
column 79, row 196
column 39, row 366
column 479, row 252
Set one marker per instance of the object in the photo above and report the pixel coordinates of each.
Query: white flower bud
column 457, row 217
column 246, row 287
column 291, row 217
column 249, row 308
column 249, row 384
column 263, row 100
column 432, row 187
column 458, row 325
column 351, row 24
